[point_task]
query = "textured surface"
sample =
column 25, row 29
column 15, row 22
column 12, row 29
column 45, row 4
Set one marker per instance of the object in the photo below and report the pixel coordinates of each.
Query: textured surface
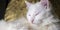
column 15, row 9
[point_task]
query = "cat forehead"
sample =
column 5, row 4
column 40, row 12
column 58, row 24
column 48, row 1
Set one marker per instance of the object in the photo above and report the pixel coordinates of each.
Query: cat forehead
column 35, row 6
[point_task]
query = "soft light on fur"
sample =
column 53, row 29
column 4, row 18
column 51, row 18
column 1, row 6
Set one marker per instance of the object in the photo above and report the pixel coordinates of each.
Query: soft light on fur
column 18, row 24
column 40, row 14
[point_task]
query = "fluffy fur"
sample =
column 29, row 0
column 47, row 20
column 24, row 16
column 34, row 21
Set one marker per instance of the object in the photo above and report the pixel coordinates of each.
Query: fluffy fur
column 18, row 24
column 40, row 14
column 39, row 18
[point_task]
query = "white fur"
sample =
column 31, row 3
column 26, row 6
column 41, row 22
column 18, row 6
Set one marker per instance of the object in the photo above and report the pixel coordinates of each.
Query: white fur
column 42, row 21
column 43, row 17
column 18, row 24
column 37, row 8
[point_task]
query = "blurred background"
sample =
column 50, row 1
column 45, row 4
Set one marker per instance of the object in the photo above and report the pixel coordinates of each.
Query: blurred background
column 3, row 6
column 13, row 9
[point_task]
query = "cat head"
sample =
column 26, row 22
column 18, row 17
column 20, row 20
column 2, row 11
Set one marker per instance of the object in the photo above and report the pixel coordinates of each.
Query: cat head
column 42, row 3
column 33, row 9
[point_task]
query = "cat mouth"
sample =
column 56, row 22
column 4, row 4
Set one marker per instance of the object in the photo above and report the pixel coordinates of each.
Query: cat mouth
column 32, row 21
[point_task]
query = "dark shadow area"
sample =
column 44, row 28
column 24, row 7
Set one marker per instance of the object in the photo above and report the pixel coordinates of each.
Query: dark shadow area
column 56, row 7
column 3, row 6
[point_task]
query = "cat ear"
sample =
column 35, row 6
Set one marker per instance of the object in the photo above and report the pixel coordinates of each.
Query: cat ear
column 45, row 3
column 28, row 4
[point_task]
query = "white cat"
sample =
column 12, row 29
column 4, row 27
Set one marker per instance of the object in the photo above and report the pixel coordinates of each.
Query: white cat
column 40, row 14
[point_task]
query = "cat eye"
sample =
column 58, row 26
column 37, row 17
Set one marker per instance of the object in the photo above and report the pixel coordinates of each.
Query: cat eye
column 37, row 13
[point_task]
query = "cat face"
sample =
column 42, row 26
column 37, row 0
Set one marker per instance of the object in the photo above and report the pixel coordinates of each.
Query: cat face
column 37, row 10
